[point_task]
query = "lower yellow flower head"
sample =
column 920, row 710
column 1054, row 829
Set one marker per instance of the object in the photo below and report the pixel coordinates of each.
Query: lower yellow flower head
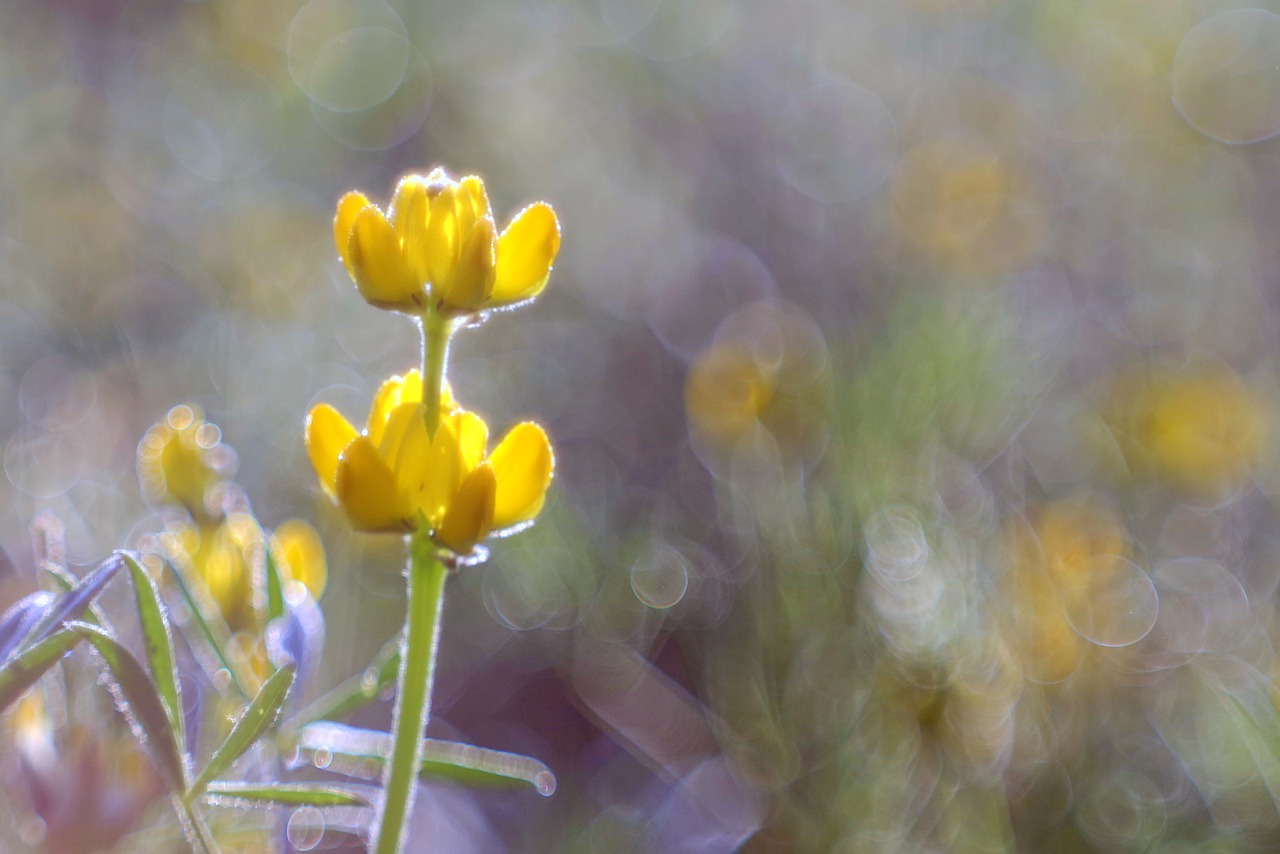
column 437, row 246
column 395, row 478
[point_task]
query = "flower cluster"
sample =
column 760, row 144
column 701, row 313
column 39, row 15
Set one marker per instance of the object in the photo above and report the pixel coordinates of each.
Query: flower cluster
column 422, row 464
column 436, row 248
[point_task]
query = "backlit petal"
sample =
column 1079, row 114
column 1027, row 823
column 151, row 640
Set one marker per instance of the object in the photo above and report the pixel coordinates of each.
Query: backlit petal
column 367, row 489
column 473, row 278
column 410, row 208
column 478, row 198
column 445, row 471
column 397, row 423
column 392, row 393
column 523, row 463
column 443, row 241
column 470, row 514
column 526, row 251
column 348, row 206
column 473, row 437
column 327, row 435
column 377, row 264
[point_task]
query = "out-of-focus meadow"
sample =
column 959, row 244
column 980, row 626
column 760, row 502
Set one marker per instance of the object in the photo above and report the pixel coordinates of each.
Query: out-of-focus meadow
column 912, row 369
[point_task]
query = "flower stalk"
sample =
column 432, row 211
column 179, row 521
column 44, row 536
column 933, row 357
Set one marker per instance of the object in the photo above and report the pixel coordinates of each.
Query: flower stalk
column 427, row 574
column 436, row 332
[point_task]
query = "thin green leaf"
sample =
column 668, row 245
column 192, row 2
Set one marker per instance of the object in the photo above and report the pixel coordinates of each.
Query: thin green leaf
column 23, row 616
column 361, row 752
column 289, row 794
column 140, row 701
column 255, row 721
column 65, row 582
column 70, row 606
column 159, row 649
column 195, row 828
column 275, row 587
column 211, row 643
column 354, row 692
column 21, row 672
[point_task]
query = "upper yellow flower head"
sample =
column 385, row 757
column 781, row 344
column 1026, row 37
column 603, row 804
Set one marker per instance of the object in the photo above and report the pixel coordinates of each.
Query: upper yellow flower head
column 394, row 477
column 182, row 458
column 437, row 247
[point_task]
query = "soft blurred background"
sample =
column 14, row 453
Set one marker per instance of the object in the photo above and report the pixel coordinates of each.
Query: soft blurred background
column 912, row 367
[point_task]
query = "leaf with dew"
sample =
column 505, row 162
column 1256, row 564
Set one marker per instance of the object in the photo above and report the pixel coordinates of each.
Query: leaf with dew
column 159, row 648
column 256, row 719
column 21, row 618
column 356, row 691
column 62, row 580
column 139, row 700
column 289, row 794
column 76, row 601
column 362, row 752
column 21, row 672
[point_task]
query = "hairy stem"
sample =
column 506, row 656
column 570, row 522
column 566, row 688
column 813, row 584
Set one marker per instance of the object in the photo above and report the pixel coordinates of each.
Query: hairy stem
column 436, row 332
column 413, row 700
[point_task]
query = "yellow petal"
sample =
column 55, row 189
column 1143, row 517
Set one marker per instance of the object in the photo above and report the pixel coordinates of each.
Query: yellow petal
column 327, row 435
column 367, row 489
column 412, row 462
column 473, row 437
column 526, row 251
column 300, row 555
column 473, row 277
column 443, row 240
column 348, row 206
column 393, row 432
column 477, row 197
column 393, row 392
column 445, row 471
column 470, row 514
column 523, row 463
column 410, row 207
column 379, row 267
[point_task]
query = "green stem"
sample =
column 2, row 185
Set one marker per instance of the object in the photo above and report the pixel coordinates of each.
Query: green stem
column 413, row 700
column 436, row 331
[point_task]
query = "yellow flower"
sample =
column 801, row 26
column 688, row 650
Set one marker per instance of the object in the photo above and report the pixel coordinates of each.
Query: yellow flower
column 394, row 477
column 1204, row 430
column 299, row 554
column 437, row 247
column 182, row 458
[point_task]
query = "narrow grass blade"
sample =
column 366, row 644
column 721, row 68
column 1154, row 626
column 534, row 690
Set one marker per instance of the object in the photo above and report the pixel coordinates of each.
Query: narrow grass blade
column 353, row 693
column 138, row 699
column 76, row 602
column 21, row 672
column 275, row 588
column 208, row 639
column 20, row 619
column 63, row 581
column 256, row 719
column 288, row 794
column 159, row 649
column 361, row 752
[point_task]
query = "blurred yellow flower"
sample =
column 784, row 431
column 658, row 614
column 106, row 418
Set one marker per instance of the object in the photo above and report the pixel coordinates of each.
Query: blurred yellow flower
column 396, row 478
column 182, row 458
column 967, row 207
column 220, row 557
column 1203, row 430
column 764, row 377
column 226, row 559
column 437, row 247
column 299, row 554
column 1067, row 551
